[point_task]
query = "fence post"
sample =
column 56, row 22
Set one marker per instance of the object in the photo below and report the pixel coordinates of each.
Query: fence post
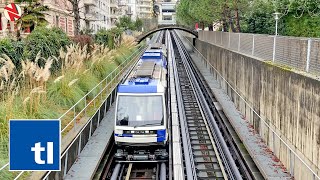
column 85, row 104
column 74, row 118
column 79, row 147
column 308, row 55
column 252, row 44
column 65, row 165
column 239, row 42
column 99, row 116
column 215, row 37
column 90, row 130
column 274, row 48
column 229, row 40
column 291, row 163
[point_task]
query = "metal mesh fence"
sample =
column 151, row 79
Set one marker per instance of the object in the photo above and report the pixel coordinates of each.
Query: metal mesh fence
column 299, row 53
column 263, row 47
column 291, row 52
column 314, row 65
column 246, row 43
column 234, row 41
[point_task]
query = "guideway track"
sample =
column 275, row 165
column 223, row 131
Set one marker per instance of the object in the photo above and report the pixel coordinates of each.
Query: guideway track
column 137, row 169
column 195, row 102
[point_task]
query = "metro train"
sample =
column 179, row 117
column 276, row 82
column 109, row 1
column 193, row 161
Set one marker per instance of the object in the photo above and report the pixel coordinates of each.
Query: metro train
column 141, row 125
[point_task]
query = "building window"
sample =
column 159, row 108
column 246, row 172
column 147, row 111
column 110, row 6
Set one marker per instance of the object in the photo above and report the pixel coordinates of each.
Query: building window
column 57, row 21
column 87, row 9
column 66, row 25
column 0, row 21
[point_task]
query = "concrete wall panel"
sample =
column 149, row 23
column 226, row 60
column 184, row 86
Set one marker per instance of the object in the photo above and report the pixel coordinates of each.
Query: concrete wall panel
column 287, row 101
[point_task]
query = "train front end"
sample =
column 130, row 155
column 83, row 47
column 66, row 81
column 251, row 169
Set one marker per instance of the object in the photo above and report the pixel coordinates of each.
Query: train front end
column 141, row 117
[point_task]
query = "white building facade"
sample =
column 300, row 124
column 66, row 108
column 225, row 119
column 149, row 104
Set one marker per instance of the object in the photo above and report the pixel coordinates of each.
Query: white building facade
column 167, row 11
column 140, row 9
column 102, row 14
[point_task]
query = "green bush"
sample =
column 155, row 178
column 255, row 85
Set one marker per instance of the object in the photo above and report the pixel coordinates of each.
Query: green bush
column 305, row 26
column 101, row 37
column 13, row 49
column 48, row 41
column 108, row 37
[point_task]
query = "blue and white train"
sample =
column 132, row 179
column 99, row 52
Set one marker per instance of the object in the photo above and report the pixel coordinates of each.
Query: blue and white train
column 141, row 129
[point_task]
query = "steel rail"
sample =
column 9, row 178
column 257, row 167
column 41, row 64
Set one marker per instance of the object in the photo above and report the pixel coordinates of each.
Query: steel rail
column 222, row 123
column 197, row 123
column 230, row 163
column 187, row 149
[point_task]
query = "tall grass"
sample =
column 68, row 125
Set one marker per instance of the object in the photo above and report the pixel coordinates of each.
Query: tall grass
column 34, row 92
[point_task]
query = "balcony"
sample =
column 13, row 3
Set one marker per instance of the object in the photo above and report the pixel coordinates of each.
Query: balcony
column 114, row 16
column 122, row 3
column 145, row 10
column 90, row 2
column 91, row 16
column 144, row 5
column 114, row 4
column 129, row 13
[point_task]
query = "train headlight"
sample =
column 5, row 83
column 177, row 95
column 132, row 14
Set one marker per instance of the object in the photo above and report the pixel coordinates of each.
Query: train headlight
column 132, row 132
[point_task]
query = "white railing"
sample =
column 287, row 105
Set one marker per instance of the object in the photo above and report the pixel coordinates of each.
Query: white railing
column 108, row 87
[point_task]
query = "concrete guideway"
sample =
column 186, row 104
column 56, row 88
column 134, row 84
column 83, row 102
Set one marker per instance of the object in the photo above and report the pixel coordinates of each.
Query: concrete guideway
column 88, row 161
column 252, row 141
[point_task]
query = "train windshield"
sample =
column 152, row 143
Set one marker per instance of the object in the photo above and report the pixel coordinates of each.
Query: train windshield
column 140, row 110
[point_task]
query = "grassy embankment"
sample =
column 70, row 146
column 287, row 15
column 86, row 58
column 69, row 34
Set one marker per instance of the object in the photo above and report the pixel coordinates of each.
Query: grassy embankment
column 34, row 93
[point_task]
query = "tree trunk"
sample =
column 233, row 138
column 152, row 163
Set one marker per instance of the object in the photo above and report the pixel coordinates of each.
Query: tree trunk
column 75, row 8
column 237, row 15
column 224, row 18
column 231, row 20
column 18, row 35
column 18, row 32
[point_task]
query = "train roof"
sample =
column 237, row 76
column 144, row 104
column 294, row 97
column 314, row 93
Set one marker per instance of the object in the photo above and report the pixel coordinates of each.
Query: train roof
column 149, row 76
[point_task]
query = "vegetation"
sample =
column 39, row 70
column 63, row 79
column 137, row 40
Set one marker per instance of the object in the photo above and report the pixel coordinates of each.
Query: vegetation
column 298, row 18
column 33, row 15
column 84, row 41
column 46, row 41
column 48, row 77
column 125, row 23
column 110, row 37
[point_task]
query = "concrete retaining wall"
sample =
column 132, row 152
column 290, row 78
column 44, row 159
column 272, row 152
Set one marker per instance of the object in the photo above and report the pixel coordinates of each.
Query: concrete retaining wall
column 288, row 102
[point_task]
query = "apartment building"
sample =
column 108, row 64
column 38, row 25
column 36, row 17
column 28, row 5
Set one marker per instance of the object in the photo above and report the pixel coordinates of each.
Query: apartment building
column 102, row 14
column 140, row 9
column 166, row 11
column 144, row 8
column 94, row 14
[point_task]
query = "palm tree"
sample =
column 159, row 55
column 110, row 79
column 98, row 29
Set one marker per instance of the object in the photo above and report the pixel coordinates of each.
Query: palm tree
column 32, row 16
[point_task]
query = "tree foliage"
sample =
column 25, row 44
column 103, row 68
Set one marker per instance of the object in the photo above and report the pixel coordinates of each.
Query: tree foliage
column 206, row 12
column 298, row 17
column 47, row 41
column 111, row 38
column 33, row 15
column 125, row 23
